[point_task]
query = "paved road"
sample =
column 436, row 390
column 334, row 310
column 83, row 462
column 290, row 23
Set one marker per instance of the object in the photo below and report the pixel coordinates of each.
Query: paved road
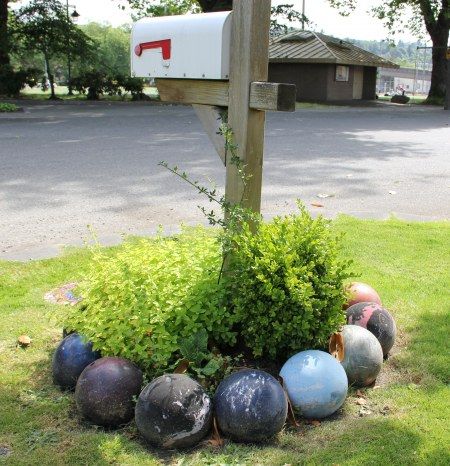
column 69, row 165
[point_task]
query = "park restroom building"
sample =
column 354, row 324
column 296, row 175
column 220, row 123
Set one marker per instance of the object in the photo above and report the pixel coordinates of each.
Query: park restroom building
column 323, row 68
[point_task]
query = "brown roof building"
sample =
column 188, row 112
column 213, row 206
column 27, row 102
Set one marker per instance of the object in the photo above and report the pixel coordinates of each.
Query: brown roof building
column 324, row 68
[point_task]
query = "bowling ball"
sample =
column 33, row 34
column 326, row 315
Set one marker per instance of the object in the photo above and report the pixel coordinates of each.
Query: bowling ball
column 377, row 320
column 315, row 382
column 250, row 406
column 363, row 356
column 105, row 391
column 173, row 411
column 361, row 292
column 73, row 354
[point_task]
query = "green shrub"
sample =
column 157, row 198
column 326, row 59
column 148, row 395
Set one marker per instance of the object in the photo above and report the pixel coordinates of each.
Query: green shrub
column 135, row 86
column 12, row 81
column 157, row 301
column 286, row 285
column 144, row 300
column 97, row 83
column 94, row 83
column 5, row 107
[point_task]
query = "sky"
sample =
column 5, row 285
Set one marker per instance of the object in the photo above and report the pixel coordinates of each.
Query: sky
column 360, row 25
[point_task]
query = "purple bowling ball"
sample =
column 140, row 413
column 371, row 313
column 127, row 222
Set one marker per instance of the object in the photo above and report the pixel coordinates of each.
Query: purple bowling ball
column 106, row 390
column 73, row 354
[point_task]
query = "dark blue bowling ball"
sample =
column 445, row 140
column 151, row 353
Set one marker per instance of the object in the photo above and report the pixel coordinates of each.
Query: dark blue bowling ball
column 250, row 406
column 73, row 354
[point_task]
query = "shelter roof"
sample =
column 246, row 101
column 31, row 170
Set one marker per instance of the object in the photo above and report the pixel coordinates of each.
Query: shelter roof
column 313, row 47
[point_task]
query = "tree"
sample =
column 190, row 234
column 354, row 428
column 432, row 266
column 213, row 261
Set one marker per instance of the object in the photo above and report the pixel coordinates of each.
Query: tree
column 4, row 33
column 112, row 50
column 43, row 26
column 434, row 15
column 163, row 7
column 181, row 7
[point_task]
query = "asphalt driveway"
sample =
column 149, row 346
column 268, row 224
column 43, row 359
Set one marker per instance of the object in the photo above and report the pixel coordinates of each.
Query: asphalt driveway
column 64, row 166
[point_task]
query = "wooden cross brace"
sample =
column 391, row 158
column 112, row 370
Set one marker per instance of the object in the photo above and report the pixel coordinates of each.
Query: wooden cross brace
column 247, row 95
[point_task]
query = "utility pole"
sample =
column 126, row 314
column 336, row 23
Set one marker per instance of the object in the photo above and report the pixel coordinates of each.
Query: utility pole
column 303, row 16
column 423, row 67
column 415, row 72
column 424, row 48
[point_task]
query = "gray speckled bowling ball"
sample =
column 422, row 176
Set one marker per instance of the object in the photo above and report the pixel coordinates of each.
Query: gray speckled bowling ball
column 173, row 411
column 363, row 355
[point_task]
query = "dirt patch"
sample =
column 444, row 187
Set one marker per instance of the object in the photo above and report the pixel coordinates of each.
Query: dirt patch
column 5, row 451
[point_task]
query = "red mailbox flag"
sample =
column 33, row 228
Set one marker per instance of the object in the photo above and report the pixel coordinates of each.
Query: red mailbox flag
column 164, row 44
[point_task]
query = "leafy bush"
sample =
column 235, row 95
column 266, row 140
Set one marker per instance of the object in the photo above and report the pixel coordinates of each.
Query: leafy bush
column 135, row 86
column 5, row 107
column 159, row 301
column 96, row 83
column 12, row 82
column 144, row 300
column 286, row 284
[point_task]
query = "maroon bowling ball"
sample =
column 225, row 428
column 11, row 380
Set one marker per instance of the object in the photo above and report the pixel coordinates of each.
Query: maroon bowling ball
column 106, row 390
column 360, row 292
column 377, row 320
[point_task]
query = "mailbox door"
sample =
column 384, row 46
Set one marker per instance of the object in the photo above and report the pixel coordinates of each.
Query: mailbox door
column 187, row 46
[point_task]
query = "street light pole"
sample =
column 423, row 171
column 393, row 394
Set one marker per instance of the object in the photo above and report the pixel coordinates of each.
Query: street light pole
column 447, row 94
column 74, row 15
column 69, row 62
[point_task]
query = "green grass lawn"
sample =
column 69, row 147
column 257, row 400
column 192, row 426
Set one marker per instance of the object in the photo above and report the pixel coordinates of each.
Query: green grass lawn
column 61, row 92
column 408, row 423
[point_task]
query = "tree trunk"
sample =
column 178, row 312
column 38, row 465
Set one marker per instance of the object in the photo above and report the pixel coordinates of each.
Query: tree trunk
column 438, row 29
column 50, row 77
column 215, row 5
column 439, row 71
column 4, row 46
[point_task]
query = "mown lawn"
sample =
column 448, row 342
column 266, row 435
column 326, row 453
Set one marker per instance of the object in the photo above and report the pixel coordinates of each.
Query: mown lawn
column 61, row 92
column 409, row 412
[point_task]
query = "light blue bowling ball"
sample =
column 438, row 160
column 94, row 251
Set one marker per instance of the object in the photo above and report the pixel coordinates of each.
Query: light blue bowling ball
column 316, row 383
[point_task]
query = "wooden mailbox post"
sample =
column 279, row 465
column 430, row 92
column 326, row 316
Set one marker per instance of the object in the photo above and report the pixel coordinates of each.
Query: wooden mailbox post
column 240, row 47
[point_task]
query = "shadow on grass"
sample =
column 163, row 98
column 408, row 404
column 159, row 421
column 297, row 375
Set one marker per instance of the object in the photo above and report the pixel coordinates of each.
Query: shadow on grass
column 428, row 349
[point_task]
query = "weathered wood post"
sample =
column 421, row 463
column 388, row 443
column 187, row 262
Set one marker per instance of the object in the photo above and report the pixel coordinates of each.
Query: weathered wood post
column 214, row 61
column 249, row 63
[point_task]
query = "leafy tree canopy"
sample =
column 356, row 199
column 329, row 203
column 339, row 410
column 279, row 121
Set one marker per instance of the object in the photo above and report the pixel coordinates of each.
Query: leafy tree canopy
column 112, row 51
column 43, row 26
column 285, row 12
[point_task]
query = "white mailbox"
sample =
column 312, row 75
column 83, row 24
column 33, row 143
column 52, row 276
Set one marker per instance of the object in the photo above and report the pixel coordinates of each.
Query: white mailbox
column 188, row 46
